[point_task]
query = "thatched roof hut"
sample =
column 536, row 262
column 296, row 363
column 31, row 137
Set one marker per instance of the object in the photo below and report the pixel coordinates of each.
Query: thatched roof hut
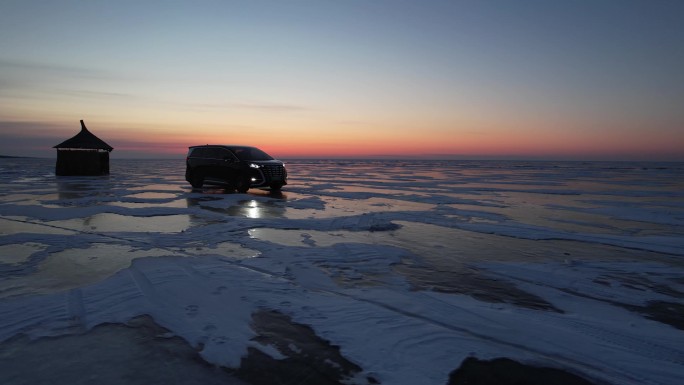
column 83, row 154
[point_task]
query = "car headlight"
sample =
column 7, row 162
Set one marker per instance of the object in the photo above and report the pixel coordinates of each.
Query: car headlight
column 253, row 165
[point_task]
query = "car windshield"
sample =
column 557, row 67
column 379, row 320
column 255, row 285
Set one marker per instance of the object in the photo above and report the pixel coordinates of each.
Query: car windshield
column 250, row 153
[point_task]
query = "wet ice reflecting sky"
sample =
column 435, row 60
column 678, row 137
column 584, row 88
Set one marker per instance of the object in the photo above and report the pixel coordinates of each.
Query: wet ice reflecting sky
column 447, row 211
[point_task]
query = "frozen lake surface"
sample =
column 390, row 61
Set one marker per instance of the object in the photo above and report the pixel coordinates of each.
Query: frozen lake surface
column 390, row 272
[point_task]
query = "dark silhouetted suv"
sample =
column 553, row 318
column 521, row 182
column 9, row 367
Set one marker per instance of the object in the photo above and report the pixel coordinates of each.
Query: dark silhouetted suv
column 238, row 167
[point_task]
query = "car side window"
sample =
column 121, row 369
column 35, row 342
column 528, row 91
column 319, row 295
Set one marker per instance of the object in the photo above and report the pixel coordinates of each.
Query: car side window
column 213, row 153
column 226, row 154
column 199, row 153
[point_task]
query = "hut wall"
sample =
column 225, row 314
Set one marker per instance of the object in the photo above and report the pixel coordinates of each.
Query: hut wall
column 104, row 162
column 82, row 162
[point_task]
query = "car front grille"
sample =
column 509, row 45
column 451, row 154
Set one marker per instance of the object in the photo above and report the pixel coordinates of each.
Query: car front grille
column 273, row 172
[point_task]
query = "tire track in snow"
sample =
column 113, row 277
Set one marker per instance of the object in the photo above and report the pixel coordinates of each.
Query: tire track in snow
column 637, row 345
column 617, row 375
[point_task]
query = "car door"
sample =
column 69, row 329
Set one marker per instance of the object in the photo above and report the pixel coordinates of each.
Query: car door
column 227, row 163
column 199, row 161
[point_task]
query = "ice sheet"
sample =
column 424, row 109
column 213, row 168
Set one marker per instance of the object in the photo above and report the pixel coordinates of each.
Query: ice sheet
column 408, row 267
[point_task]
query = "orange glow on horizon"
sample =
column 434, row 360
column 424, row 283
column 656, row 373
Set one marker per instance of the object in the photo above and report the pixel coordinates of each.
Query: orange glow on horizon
column 468, row 139
column 469, row 146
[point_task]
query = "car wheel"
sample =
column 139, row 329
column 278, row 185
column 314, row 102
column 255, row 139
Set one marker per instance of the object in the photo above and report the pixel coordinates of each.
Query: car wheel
column 241, row 184
column 276, row 187
column 196, row 181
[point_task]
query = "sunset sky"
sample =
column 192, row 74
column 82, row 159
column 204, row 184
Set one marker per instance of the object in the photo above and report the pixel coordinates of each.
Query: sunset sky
column 590, row 80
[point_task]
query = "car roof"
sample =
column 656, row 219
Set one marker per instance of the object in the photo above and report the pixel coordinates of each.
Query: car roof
column 222, row 145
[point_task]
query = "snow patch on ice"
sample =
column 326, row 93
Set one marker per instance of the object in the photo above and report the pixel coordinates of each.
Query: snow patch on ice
column 326, row 254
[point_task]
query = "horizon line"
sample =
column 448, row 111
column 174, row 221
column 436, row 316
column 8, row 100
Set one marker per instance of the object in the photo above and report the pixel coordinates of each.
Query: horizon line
column 426, row 158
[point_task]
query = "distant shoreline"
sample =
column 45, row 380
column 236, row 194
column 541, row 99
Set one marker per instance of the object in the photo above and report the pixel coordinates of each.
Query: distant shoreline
column 398, row 159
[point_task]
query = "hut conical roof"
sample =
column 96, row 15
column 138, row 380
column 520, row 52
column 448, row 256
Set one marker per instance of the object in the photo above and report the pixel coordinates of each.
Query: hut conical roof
column 85, row 140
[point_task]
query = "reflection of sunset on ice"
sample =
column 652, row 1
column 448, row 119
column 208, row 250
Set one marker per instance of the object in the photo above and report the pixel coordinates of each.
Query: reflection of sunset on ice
column 396, row 271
